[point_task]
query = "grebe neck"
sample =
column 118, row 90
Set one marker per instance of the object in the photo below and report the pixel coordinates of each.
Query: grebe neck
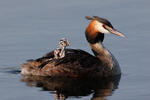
column 102, row 54
column 62, row 52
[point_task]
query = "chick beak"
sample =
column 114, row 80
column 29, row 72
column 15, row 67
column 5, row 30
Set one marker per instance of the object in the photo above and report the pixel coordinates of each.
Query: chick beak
column 113, row 31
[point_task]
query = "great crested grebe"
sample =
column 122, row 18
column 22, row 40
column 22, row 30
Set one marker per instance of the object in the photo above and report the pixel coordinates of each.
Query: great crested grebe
column 78, row 63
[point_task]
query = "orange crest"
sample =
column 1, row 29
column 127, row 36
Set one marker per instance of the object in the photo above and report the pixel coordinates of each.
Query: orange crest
column 92, row 29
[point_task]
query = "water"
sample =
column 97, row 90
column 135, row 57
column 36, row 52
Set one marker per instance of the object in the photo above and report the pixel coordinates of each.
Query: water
column 30, row 28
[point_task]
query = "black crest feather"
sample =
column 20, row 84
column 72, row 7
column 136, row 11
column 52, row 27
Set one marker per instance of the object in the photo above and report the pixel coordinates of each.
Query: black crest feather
column 102, row 20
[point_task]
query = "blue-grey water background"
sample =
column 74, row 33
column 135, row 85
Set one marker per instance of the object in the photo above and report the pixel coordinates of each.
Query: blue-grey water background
column 31, row 28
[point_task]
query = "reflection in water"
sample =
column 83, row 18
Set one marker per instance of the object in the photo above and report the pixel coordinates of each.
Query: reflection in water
column 66, row 87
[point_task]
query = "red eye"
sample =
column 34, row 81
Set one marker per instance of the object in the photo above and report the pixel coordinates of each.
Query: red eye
column 104, row 26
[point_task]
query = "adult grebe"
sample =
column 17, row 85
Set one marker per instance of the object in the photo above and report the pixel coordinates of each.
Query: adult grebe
column 78, row 63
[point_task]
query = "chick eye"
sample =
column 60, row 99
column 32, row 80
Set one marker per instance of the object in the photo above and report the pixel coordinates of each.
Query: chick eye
column 61, row 43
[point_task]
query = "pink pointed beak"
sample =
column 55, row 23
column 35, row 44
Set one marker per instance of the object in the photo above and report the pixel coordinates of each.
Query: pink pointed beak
column 113, row 31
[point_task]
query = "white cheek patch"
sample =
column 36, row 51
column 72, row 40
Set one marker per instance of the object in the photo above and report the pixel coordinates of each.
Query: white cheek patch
column 101, row 29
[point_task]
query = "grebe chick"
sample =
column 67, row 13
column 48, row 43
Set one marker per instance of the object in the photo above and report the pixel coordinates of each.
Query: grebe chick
column 78, row 63
column 58, row 53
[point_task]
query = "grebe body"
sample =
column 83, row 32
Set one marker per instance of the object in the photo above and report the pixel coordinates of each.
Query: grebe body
column 78, row 63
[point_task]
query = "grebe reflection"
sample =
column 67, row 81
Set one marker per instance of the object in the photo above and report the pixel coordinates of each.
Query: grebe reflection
column 63, row 88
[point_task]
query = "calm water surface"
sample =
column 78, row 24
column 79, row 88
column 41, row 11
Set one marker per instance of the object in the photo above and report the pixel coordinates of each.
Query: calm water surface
column 30, row 28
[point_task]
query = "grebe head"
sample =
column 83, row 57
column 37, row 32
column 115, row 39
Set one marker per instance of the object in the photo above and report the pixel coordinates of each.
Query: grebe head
column 98, row 27
column 63, row 43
